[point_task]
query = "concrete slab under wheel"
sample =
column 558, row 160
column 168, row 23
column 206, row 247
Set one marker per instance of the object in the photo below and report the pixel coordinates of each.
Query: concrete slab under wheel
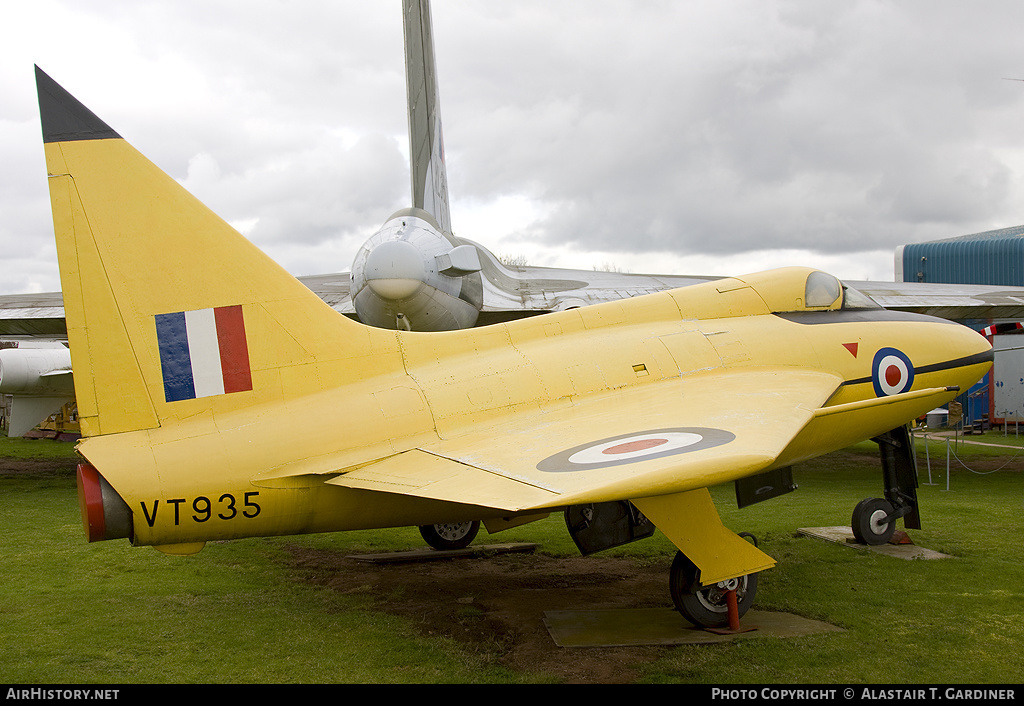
column 636, row 627
column 844, row 536
column 427, row 554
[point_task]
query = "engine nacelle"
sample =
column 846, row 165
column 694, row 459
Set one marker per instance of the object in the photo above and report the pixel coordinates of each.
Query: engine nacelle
column 36, row 371
column 41, row 382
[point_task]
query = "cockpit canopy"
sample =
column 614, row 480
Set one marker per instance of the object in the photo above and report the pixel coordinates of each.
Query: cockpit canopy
column 821, row 290
column 802, row 289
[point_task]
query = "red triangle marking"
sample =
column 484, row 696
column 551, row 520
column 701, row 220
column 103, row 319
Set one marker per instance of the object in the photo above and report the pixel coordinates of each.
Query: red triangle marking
column 852, row 347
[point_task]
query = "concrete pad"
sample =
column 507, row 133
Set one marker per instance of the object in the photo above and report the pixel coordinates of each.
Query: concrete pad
column 427, row 554
column 634, row 627
column 844, row 536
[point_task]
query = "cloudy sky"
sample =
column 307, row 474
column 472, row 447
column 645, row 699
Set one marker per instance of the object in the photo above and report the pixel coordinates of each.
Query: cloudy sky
column 662, row 136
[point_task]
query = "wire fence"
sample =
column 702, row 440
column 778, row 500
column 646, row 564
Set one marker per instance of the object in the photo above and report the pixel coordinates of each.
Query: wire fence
column 952, row 442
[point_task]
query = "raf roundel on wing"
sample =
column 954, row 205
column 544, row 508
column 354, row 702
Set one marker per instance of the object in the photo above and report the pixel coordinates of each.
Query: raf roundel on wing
column 633, row 447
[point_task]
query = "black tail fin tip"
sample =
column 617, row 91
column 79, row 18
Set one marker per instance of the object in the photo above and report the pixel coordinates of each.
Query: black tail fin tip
column 64, row 118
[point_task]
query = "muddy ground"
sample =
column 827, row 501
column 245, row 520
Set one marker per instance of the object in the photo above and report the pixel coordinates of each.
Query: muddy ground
column 41, row 467
column 496, row 604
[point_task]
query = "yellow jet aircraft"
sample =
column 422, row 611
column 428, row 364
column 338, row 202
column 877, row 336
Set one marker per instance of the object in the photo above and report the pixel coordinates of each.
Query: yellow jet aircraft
column 220, row 398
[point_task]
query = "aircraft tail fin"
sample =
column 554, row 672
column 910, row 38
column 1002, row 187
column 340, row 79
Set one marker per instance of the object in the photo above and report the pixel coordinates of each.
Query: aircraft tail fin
column 171, row 313
column 426, row 144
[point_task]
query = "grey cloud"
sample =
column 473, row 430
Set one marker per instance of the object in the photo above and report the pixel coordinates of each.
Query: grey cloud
column 648, row 126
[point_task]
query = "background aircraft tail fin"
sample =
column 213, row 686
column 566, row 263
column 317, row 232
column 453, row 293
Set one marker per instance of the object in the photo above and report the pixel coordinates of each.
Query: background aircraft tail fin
column 171, row 313
column 426, row 145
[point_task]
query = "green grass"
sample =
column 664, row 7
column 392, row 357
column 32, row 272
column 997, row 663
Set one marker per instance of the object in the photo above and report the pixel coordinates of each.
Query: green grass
column 36, row 448
column 71, row 612
column 109, row 613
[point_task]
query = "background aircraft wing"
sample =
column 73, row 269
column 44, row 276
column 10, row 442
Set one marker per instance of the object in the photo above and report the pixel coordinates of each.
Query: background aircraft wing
column 33, row 316
column 957, row 302
column 511, row 288
column 333, row 289
column 511, row 291
column 42, row 315
column 543, row 289
column 656, row 439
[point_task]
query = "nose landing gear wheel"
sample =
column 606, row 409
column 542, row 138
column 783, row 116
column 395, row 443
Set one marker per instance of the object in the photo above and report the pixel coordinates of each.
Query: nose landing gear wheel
column 453, row 535
column 707, row 607
column 869, row 521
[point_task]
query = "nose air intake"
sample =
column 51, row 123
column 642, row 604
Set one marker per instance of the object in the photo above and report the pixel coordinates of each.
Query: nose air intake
column 394, row 270
column 412, row 275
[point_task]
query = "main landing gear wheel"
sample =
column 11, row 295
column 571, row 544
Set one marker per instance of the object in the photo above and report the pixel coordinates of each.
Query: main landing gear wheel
column 708, row 607
column 869, row 522
column 453, row 535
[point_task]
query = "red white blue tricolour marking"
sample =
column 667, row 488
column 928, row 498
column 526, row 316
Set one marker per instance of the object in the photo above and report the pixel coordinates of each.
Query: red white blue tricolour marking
column 891, row 372
column 635, row 447
column 203, row 353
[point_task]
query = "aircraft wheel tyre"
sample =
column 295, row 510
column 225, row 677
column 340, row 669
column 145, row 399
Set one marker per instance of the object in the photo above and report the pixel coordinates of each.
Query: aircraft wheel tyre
column 869, row 521
column 452, row 535
column 708, row 607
